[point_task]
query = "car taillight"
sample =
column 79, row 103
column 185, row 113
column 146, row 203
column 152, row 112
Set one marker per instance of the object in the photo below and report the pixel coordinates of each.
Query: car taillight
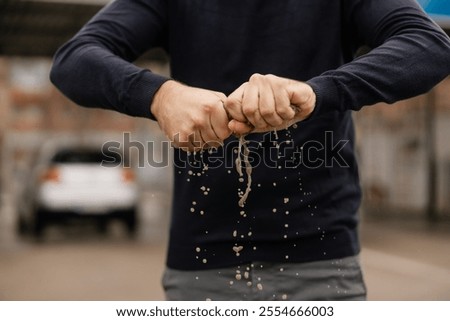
column 51, row 175
column 128, row 175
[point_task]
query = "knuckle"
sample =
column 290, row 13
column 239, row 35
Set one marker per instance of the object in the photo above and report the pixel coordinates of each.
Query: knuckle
column 277, row 121
column 231, row 104
column 207, row 108
column 266, row 112
column 256, row 77
column 286, row 113
column 249, row 109
column 197, row 122
column 221, row 95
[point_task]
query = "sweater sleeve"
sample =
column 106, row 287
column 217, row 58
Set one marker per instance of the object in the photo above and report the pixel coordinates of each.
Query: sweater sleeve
column 410, row 55
column 95, row 69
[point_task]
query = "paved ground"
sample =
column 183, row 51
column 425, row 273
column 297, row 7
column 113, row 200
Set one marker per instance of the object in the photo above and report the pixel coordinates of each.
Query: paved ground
column 402, row 262
column 406, row 260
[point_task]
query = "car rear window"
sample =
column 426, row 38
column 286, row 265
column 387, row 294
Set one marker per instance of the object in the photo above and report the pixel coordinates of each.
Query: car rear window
column 86, row 157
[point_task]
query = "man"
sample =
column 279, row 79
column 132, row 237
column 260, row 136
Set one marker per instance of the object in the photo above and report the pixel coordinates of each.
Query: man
column 284, row 74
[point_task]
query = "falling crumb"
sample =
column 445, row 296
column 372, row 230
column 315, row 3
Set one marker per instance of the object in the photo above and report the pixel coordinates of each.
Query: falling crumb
column 250, row 233
column 286, row 225
column 249, row 283
column 204, row 260
column 194, row 203
column 259, row 286
column 284, row 296
column 274, row 210
column 234, row 233
column 281, row 269
column 192, row 210
column 203, row 188
column 287, row 257
column 231, row 282
column 237, row 249
column 208, row 299
column 274, row 184
column 197, row 249
column 246, row 274
column 190, row 172
column 286, row 200
column 202, row 212
column 238, row 277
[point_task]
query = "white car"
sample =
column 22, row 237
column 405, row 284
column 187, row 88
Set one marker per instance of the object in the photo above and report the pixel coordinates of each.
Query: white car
column 79, row 183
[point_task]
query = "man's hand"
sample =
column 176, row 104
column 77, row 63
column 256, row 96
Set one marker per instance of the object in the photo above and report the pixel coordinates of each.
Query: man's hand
column 192, row 118
column 268, row 102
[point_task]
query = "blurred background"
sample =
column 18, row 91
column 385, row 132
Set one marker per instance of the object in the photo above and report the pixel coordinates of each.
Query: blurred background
column 49, row 145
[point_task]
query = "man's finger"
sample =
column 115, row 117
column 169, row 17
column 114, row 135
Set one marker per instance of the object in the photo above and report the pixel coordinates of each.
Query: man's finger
column 233, row 104
column 250, row 105
column 267, row 105
column 218, row 120
column 240, row 128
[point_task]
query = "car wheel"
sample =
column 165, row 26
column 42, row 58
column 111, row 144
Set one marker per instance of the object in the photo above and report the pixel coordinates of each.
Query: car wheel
column 102, row 226
column 22, row 226
column 39, row 224
column 130, row 221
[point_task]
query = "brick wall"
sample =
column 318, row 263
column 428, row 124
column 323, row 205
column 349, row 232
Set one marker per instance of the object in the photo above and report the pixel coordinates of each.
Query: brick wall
column 391, row 139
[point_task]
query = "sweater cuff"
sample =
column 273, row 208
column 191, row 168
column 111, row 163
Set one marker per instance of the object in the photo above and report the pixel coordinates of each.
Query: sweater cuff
column 327, row 95
column 141, row 93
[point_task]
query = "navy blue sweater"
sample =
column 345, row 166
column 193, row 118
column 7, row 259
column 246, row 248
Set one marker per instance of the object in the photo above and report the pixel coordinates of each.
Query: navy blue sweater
column 305, row 191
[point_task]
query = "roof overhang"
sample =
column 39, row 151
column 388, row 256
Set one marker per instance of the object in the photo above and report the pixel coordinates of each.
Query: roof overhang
column 38, row 28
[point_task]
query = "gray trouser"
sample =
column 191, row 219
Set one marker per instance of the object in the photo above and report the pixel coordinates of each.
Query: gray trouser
column 339, row 279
